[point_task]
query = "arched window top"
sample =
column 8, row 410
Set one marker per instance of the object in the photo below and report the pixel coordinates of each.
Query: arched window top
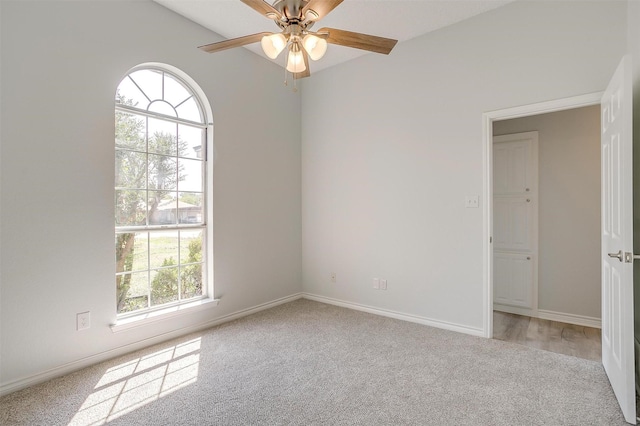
column 160, row 92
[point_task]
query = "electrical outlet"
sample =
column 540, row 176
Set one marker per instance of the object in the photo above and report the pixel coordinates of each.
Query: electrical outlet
column 83, row 320
column 333, row 277
column 383, row 284
column 472, row 201
column 376, row 284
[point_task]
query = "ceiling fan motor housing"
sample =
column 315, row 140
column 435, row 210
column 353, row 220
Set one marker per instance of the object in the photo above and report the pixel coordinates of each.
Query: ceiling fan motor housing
column 290, row 9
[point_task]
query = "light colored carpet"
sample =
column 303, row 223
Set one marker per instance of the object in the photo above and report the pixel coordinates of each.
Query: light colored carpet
column 307, row 363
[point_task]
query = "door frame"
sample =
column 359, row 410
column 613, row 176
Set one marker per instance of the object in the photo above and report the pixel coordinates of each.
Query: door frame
column 487, row 187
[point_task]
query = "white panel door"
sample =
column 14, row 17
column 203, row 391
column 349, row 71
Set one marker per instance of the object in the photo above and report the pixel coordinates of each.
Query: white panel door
column 515, row 227
column 514, row 168
column 617, row 239
column 513, row 224
column 513, row 279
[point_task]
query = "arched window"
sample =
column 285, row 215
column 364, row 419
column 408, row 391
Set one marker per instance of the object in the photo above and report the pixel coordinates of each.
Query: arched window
column 160, row 191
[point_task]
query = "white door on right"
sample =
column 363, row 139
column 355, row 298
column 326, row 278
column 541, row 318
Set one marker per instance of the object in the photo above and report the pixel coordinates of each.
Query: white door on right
column 617, row 239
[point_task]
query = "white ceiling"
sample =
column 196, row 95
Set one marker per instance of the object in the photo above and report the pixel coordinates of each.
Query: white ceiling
column 398, row 19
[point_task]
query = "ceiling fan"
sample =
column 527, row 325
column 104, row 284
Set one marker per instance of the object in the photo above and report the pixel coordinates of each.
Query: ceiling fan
column 295, row 18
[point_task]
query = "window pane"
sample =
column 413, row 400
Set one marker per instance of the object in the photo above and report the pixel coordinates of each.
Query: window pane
column 190, row 175
column 191, row 280
column 161, row 107
column 132, row 252
column 131, row 207
column 190, row 246
column 190, row 141
column 129, row 94
column 133, row 291
column 150, row 81
column 164, row 286
column 130, row 131
column 174, row 92
column 190, row 111
column 163, row 208
column 163, row 248
column 190, row 208
column 131, row 169
column 191, row 253
column 162, row 137
column 163, row 172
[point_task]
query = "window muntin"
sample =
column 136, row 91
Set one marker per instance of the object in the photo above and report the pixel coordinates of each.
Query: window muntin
column 160, row 182
column 160, row 92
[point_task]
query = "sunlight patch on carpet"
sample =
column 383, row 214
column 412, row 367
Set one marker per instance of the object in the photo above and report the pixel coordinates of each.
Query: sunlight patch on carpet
column 138, row 382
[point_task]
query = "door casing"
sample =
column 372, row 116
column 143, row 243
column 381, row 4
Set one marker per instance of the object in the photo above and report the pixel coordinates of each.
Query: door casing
column 487, row 191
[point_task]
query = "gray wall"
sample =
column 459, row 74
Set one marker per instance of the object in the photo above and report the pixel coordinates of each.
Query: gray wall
column 392, row 145
column 61, row 63
column 569, row 208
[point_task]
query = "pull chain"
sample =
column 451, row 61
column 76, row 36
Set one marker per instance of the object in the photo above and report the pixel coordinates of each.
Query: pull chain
column 285, row 76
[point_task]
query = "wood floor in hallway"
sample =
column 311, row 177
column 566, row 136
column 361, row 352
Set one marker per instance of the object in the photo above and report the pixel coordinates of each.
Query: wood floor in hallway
column 553, row 336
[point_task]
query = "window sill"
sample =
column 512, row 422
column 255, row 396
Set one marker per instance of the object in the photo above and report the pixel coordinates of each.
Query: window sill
column 163, row 314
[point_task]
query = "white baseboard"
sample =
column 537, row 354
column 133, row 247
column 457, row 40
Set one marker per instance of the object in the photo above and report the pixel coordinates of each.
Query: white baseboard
column 397, row 315
column 515, row 310
column 7, row 388
column 582, row 320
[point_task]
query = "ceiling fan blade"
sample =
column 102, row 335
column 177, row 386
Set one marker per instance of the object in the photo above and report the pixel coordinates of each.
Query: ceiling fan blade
column 359, row 40
column 263, row 8
column 234, row 42
column 307, row 71
column 321, row 7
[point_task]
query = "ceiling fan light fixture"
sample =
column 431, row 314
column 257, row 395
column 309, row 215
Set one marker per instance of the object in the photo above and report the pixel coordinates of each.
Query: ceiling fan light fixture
column 273, row 44
column 295, row 62
column 316, row 47
column 295, row 19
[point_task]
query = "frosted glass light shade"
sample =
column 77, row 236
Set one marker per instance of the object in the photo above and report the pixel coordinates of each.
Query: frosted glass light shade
column 316, row 47
column 295, row 63
column 273, row 44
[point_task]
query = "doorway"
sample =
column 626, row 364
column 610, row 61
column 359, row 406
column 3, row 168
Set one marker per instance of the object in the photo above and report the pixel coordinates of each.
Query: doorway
column 548, row 298
column 489, row 120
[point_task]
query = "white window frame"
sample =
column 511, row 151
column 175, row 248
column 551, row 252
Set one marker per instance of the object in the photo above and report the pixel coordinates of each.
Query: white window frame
column 150, row 314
